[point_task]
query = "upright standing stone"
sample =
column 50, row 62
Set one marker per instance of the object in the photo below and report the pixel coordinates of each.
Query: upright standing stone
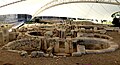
column 75, row 33
column 56, row 48
column 62, row 34
column 72, row 31
column 12, row 36
column 1, row 38
column 95, row 28
column 42, row 43
column 45, row 43
column 6, row 35
column 81, row 48
column 71, row 46
column 66, row 47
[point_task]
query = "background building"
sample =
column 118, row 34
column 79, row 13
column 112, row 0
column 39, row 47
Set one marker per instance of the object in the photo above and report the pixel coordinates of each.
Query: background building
column 15, row 17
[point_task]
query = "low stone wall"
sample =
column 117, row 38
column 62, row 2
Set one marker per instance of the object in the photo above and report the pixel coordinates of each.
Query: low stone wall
column 95, row 35
column 48, row 44
column 23, row 44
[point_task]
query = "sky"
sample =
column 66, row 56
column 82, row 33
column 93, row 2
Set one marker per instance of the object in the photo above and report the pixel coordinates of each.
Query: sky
column 80, row 10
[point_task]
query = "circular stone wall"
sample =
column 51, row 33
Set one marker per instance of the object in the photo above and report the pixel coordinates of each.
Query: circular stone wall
column 97, row 45
column 95, row 35
column 23, row 44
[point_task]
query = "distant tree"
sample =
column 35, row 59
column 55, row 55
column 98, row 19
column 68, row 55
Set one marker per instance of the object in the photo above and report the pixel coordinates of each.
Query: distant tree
column 116, row 22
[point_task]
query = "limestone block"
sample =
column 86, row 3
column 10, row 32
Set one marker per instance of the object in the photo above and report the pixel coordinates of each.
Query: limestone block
column 109, row 29
column 103, row 31
column 40, row 54
column 61, row 50
column 12, row 36
column 95, row 28
column 48, row 33
column 66, row 47
column 62, row 34
column 14, row 30
column 70, row 46
column 42, row 43
column 76, row 54
column 6, row 39
column 119, row 31
column 116, row 28
column 74, row 33
column 49, row 50
column 5, row 35
column 5, row 31
column 45, row 44
column 82, row 28
column 79, row 34
column 1, row 38
column 91, row 29
column 35, row 54
column 23, row 54
column 56, row 48
column 62, row 54
column 81, row 49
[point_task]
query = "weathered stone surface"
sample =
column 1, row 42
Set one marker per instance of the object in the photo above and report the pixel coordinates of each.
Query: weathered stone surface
column 1, row 38
column 24, row 54
column 13, row 36
column 51, row 55
column 103, row 31
column 82, row 28
column 62, row 54
column 109, row 29
column 119, row 31
column 76, row 54
column 81, row 49
column 70, row 46
column 35, row 54
column 56, row 48
column 95, row 28
column 66, row 47
column 116, row 28
column 40, row 54
column 62, row 34
column 49, row 33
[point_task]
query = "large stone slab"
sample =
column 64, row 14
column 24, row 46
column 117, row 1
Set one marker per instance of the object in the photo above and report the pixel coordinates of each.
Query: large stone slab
column 66, row 47
column 35, row 54
column 81, row 49
column 76, row 54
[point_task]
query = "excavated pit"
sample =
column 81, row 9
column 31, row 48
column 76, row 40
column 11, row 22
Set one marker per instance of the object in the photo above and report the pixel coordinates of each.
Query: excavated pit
column 94, row 45
column 35, row 33
column 95, row 35
column 97, row 45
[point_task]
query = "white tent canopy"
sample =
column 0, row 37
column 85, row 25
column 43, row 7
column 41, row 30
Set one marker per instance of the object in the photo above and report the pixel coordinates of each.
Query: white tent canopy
column 80, row 10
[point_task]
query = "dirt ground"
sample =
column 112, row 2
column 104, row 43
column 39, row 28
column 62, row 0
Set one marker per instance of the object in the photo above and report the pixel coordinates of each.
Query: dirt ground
column 112, row 58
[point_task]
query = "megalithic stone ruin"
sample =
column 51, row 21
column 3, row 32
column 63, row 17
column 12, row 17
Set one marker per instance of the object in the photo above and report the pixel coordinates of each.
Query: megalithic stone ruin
column 1, row 38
